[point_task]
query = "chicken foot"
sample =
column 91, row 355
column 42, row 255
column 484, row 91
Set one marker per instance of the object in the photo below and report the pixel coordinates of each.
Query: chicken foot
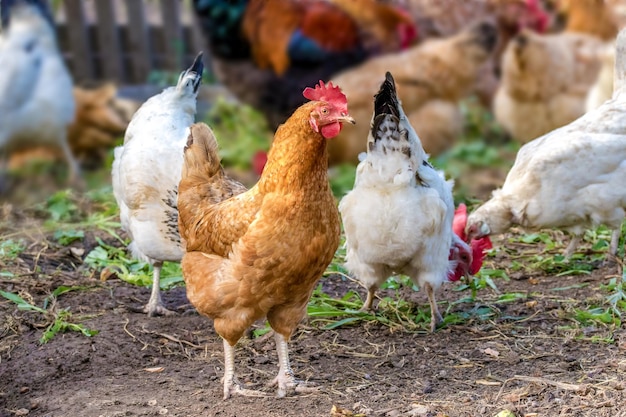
column 74, row 177
column 231, row 385
column 435, row 315
column 155, row 305
column 571, row 248
column 367, row 305
column 615, row 241
column 285, row 378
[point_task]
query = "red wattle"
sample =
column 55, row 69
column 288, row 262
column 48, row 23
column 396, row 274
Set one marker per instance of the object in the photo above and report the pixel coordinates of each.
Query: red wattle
column 331, row 130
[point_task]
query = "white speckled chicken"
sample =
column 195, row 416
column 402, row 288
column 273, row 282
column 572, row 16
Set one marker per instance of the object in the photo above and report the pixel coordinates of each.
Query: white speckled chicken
column 398, row 217
column 36, row 99
column 146, row 173
column 571, row 178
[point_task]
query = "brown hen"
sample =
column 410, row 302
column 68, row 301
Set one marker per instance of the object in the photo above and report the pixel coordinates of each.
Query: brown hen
column 261, row 252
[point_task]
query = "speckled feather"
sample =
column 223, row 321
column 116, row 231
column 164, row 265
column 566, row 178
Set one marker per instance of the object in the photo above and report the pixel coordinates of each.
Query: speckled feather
column 393, row 222
column 146, row 169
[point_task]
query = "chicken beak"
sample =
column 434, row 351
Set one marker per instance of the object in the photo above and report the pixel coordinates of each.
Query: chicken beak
column 197, row 65
column 346, row 119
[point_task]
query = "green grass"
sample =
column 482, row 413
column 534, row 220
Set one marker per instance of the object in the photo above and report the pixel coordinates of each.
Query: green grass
column 117, row 260
column 10, row 249
column 241, row 132
column 59, row 320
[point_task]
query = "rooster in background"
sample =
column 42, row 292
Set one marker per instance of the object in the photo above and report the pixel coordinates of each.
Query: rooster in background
column 265, row 51
column 145, row 175
column 260, row 253
column 36, row 100
column 398, row 217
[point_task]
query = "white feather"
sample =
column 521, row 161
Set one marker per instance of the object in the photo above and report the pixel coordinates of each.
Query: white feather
column 398, row 216
column 37, row 103
column 571, row 178
column 147, row 169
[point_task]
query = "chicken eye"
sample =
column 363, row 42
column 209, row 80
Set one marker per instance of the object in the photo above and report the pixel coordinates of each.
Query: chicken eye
column 324, row 110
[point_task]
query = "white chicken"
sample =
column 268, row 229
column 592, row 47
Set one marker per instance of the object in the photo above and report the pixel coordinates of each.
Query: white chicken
column 571, row 178
column 602, row 90
column 398, row 217
column 146, row 172
column 36, row 99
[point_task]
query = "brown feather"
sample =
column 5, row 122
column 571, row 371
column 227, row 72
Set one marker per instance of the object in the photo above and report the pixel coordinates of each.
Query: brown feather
column 261, row 252
column 268, row 25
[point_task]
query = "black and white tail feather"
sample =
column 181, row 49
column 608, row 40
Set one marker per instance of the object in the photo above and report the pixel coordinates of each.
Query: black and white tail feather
column 398, row 216
column 394, row 151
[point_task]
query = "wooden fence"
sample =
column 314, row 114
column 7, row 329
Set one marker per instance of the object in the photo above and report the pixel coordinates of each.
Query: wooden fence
column 126, row 40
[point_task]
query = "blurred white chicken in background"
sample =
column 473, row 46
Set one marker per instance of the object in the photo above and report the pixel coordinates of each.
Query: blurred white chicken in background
column 545, row 81
column 602, row 90
column 571, row 178
column 146, row 172
column 36, row 100
column 398, row 217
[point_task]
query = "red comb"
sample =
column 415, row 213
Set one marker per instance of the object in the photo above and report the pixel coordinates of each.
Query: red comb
column 329, row 92
column 460, row 221
column 479, row 247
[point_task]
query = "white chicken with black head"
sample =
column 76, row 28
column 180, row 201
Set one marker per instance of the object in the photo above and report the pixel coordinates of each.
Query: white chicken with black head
column 398, row 217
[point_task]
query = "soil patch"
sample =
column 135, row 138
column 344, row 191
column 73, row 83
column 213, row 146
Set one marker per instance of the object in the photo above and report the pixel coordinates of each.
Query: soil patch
column 526, row 355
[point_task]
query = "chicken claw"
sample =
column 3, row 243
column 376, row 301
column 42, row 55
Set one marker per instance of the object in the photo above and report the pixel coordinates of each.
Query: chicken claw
column 287, row 382
column 367, row 305
column 231, row 385
column 235, row 388
column 155, row 305
column 285, row 379
column 435, row 316
column 157, row 309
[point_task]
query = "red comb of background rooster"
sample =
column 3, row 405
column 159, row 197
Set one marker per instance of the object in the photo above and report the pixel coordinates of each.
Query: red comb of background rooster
column 329, row 92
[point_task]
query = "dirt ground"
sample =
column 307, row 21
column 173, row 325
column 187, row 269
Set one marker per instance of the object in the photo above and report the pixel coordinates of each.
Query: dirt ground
column 527, row 355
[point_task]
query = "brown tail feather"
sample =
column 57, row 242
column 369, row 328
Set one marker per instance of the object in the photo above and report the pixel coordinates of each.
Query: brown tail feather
column 202, row 159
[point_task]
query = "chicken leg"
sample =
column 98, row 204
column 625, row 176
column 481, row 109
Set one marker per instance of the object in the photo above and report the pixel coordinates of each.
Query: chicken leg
column 285, row 378
column 367, row 305
column 74, row 176
column 611, row 256
column 615, row 241
column 571, row 248
column 155, row 305
column 435, row 315
column 231, row 385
